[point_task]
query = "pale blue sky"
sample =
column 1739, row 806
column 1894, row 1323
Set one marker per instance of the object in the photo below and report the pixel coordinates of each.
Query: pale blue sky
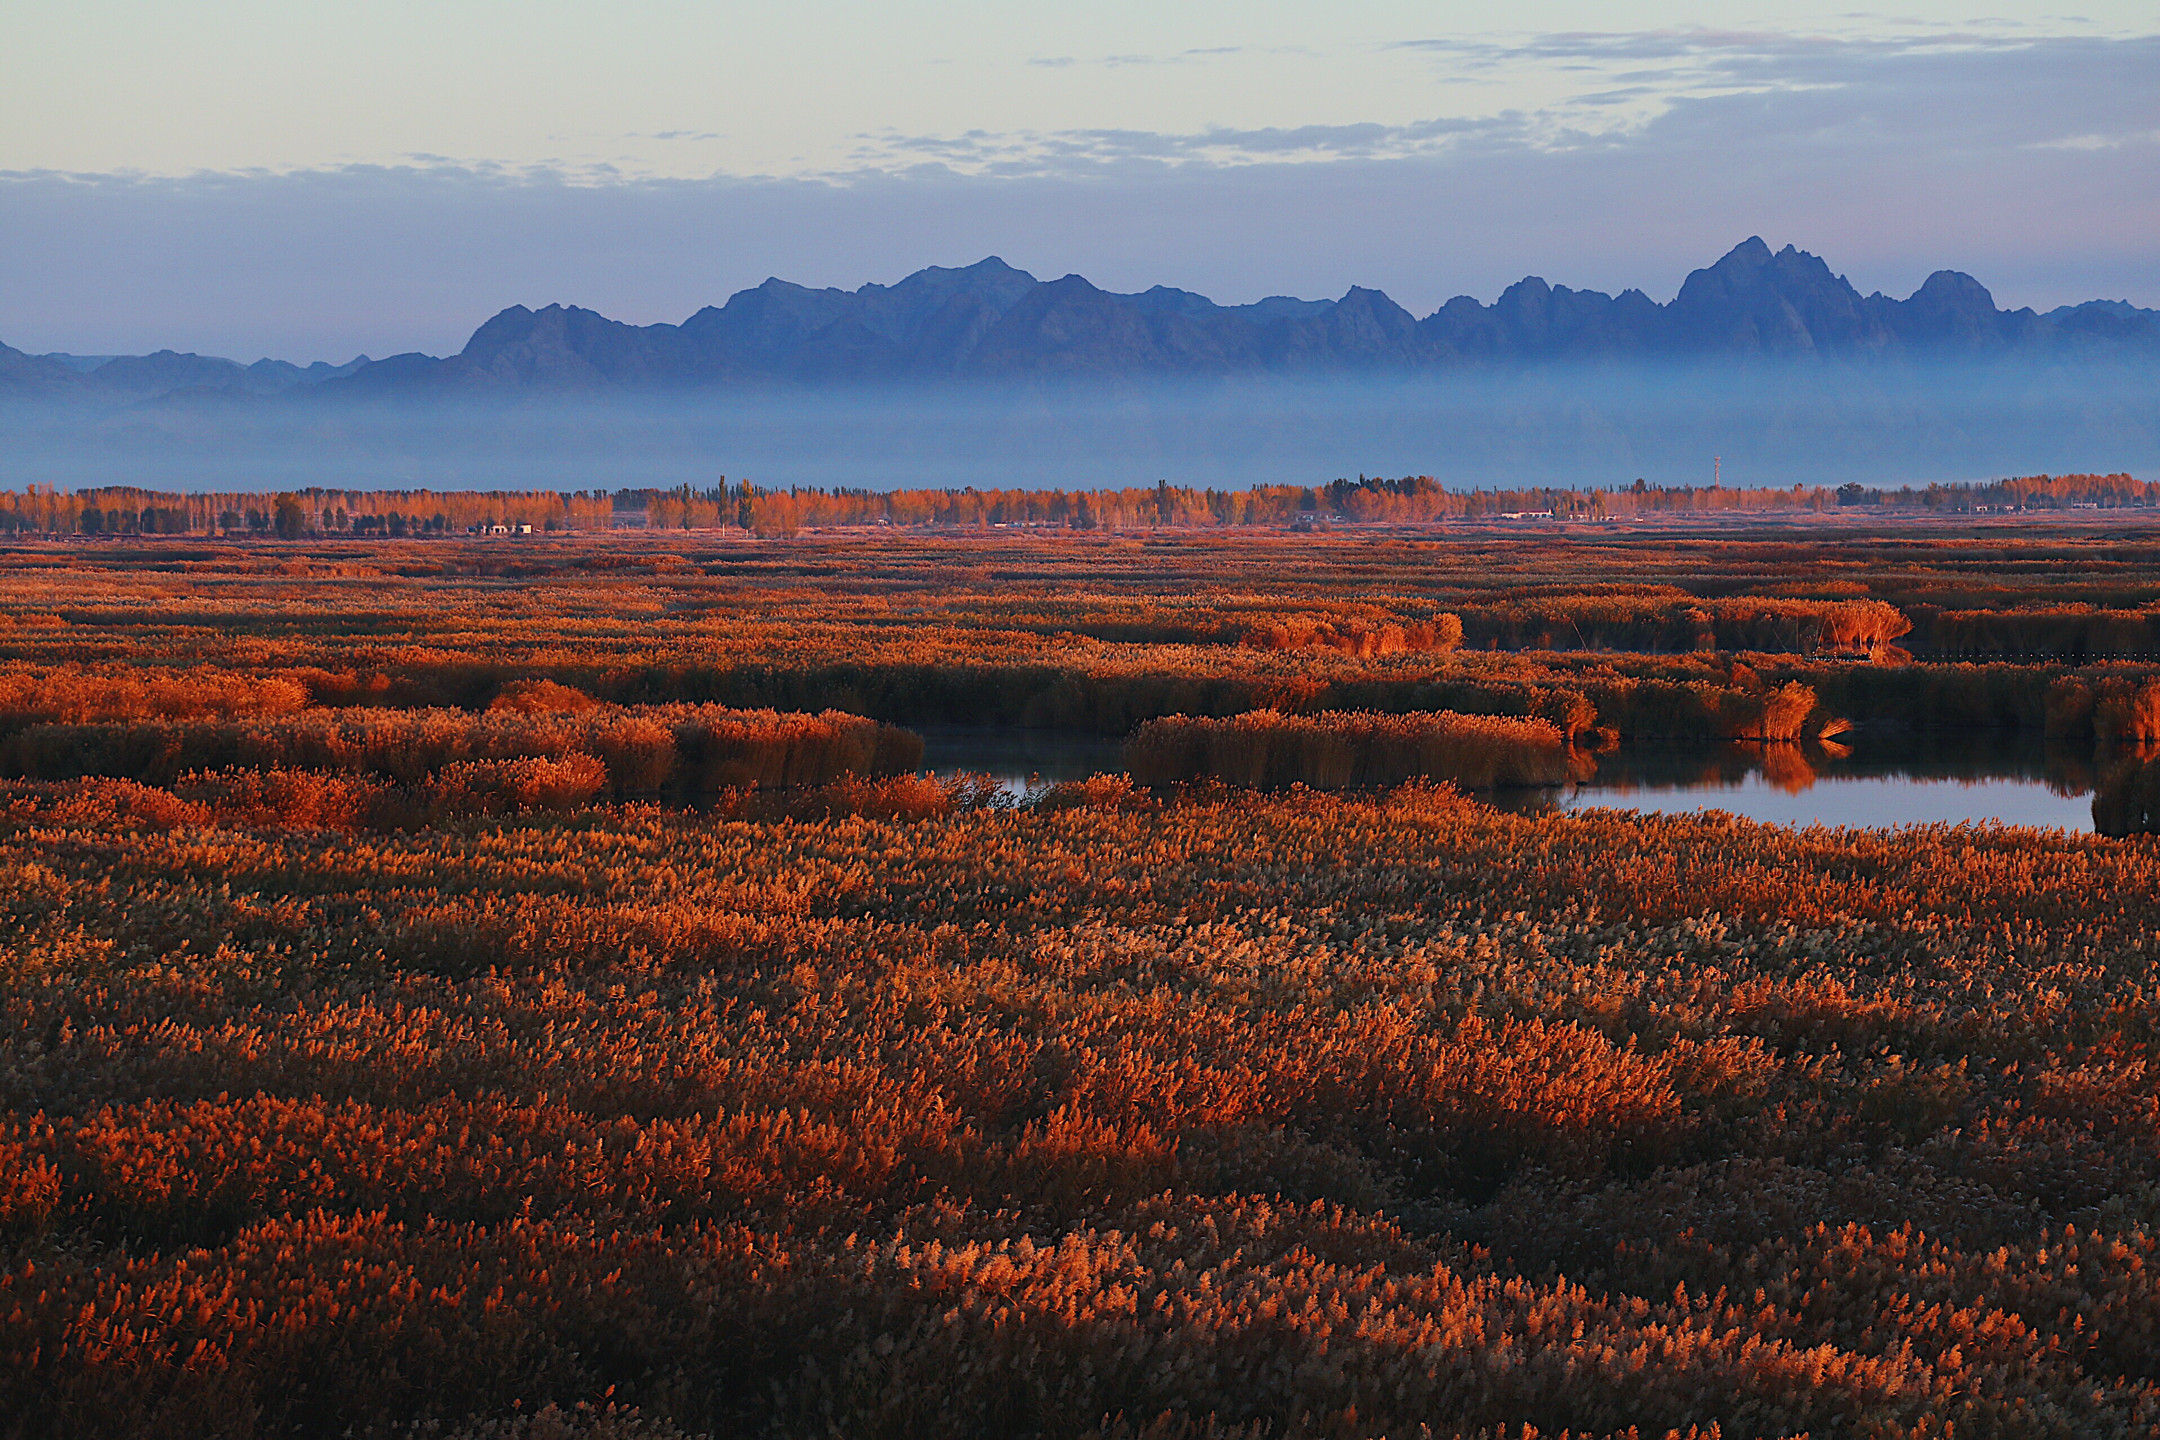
column 313, row 179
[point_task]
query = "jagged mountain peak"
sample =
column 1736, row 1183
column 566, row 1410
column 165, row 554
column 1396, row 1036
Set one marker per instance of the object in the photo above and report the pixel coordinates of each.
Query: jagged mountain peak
column 1751, row 253
column 992, row 320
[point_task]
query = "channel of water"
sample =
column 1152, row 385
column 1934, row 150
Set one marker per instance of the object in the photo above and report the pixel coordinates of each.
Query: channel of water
column 1879, row 779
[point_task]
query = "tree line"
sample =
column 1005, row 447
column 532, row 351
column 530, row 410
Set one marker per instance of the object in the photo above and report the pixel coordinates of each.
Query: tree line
column 1415, row 499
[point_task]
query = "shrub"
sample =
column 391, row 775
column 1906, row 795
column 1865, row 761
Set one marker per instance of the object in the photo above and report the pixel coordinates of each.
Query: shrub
column 1096, row 792
column 1860, row 625
column 126, row 805
column 639, row 752
column 2069, row 709
column 1354, row 637
column 77, row 694
column 1704, row 710
column 495, row 787
column 2126, row 712
column 542, row 697
column 281, row 799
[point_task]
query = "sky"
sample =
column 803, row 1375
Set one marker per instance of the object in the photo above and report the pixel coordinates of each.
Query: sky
column 312, row 180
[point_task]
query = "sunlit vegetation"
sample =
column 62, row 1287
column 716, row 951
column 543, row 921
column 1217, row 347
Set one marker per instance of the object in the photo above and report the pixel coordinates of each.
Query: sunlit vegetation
column 765, row 512
column 643, row 749
column 523, row 991
column 1005, row 1121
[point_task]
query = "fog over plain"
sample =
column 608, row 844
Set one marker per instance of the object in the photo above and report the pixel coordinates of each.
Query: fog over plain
column 1772, row 425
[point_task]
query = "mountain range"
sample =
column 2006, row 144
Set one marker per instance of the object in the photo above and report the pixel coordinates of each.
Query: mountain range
column 989, row 321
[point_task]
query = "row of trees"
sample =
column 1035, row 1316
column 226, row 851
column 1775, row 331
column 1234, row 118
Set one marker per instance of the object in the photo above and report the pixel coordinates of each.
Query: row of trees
column 1411, row 499
column 127, row 510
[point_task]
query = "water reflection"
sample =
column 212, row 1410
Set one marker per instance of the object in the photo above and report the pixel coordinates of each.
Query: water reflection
column 1019, row 760
column 2126, row 798
column 1862, row 778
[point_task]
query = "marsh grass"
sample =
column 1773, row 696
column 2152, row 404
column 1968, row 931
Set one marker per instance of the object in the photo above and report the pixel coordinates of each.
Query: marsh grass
column 1341, row 750
column 633, row 750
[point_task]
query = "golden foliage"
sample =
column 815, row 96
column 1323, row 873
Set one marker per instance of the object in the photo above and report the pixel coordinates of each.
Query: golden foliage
column 995, row 1120
column 390, row 1068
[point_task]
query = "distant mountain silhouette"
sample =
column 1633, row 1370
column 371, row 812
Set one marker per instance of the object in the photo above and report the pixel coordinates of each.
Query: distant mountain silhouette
column 991, row 321
column 129, row 378
column 38, row 376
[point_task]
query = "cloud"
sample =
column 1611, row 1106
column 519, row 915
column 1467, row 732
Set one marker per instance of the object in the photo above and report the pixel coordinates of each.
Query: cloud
column 1182, row 57
column 1677, row 93
column 1962, row 88
column 1063, row 151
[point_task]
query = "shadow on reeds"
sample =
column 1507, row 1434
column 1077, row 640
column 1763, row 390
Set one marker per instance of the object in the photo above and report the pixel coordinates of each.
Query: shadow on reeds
column 2126, row 792
column 307, row 800
column 1266, row 749
column 629, row 750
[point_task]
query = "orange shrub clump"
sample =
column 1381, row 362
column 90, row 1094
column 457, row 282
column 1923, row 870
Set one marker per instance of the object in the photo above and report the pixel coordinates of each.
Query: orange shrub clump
column 1775, row 714
column 542, row 697
column 1337, row 749
column 492, row 787
column 1300, row 632
column 2127, row 712
column 2111, row 710
column 75, row 693
column 293, row 799
column 1860, row 625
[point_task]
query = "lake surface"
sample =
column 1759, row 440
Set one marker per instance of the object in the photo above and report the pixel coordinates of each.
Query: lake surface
column 1872, row 800
column 1020, row 759
column 1873, row 779
column 1879, row 780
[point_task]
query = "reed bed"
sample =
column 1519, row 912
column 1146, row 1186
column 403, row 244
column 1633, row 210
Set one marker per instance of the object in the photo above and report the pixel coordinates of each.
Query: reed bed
column 76, row 694
column 1340, row 750
column 635, row 750
column 1668, row 619
column 2126, row 795
column 1379, row 1115
column 2080, row 630
column 1366, row 640
column 1063, row 633
column 1696, row 710
column 2113, row 710
column 374, row 1063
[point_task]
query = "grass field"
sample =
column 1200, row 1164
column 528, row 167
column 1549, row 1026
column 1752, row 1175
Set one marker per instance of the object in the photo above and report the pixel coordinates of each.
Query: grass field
column 519, row 988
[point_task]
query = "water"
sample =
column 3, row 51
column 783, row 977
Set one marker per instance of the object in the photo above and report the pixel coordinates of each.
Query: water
column 1873, row 779
column 1873, row 800
column 1876, row 779
column 1019, row 760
